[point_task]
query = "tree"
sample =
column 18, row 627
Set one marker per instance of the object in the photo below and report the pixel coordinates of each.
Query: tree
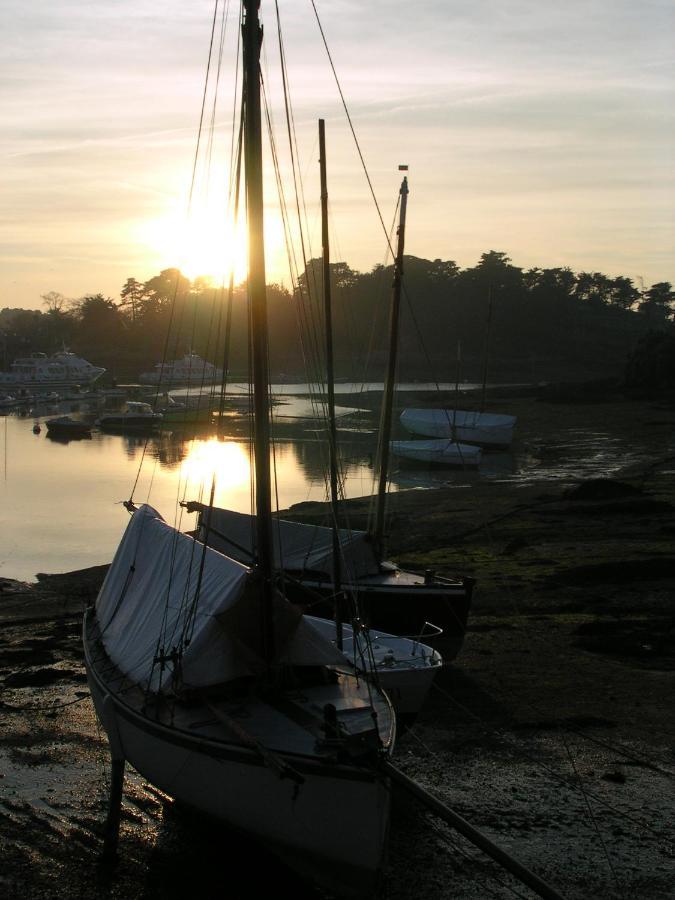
column 54, row 301
column 623, row 293
column 131, row 296
column 594, row 287
column 657, row 302
column 166, row 288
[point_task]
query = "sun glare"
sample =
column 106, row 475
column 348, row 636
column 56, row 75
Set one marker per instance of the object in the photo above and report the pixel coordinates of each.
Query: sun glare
column 210, row 245
column 228, row 460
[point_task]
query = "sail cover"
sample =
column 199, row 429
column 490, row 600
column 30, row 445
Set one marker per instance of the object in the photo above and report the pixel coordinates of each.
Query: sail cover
column 297, row 547
column 157, row 598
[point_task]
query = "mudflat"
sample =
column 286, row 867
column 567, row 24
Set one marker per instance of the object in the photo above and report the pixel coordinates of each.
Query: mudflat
column 552, row 731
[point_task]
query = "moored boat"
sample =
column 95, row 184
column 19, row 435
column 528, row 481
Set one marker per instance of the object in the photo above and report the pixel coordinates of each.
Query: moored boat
column 387, row 597
column 439, row 452
column 134, row 417
column 68, row 427
column 404, row 666
column 61, row 370
column 180, row 698
column 191, row 371
column 481, row 428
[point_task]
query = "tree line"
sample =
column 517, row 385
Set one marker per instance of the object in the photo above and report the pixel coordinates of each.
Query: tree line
column 523, row 324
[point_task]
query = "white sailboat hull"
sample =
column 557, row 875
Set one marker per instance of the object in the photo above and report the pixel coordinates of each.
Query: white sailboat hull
column 441, row 451
column 484, row 429
column 332, row 827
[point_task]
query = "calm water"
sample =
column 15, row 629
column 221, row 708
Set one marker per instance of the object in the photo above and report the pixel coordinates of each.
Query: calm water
column 61, row 502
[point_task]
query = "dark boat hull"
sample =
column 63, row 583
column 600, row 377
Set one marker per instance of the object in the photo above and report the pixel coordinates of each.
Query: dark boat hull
column 401, row 603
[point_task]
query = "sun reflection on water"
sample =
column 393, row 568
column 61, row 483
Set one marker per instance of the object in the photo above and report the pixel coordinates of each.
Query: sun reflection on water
column 227, row 461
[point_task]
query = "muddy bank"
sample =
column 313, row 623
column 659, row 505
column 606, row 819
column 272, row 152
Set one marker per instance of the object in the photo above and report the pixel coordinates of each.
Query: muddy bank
column 552, row 732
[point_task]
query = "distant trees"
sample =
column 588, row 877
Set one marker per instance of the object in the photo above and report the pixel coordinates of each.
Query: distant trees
column 545, row 322
column 657, row 303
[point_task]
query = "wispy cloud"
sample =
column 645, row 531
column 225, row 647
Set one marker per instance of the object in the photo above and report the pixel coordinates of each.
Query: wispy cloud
column 542, row 129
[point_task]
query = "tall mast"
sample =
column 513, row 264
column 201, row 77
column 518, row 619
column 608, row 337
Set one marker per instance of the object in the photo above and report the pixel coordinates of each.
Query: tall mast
column 486, row 353
column 252, row 40
column 330, row 379
column 388, row 398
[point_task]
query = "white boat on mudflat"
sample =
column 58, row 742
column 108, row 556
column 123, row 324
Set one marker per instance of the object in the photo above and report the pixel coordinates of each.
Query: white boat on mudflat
column 404, row 667
column 191, row 370
column 39, row 371
column 442, row 452
column 175, row 659
column 484, row 429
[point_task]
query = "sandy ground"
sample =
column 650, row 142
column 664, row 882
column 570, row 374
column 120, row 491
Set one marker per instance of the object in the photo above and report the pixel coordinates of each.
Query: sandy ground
column 552, row 732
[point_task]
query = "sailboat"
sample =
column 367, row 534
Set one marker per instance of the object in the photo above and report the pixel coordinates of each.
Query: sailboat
column 216, row 688
column 438, row 451
column 405, row 667
column 321, row 563
column 494, row 430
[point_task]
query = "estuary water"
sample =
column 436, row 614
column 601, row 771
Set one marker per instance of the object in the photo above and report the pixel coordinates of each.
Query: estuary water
column 61, row 502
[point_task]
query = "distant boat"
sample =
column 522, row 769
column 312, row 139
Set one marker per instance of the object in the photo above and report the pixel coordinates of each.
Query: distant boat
column 191, row 370
column 67, row 427
column 484, row 429
column 135, row 417
column 441, row 451
column 63, row 369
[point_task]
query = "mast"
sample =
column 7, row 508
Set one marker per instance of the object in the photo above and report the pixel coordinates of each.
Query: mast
column 330, row 380
column 252, row 40
column 486, row 354
column 388, row 398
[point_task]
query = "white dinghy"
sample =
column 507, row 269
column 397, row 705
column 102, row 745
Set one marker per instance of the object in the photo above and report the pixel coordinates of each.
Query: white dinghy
column 404, row 667
column 484, row 429
column 442, row 452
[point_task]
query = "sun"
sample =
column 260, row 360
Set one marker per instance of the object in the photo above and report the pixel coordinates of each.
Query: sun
column 209, row 243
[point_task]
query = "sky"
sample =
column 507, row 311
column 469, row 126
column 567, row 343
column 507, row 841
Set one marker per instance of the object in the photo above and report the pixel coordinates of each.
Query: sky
column 541, row 129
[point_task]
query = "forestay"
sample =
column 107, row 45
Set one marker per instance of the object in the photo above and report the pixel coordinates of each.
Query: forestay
column 157, row 597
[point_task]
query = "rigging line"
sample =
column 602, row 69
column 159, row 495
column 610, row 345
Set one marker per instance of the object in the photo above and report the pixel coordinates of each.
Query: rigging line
column 371, row 349
column 293, row 150
column 189, row 205
column 311, row 358
column 447, row 835
column 490, row 730
column 203, row 107
column 306, row 332
column 589, row 810
column 236, row 92
column 349, row 120
column 292, row 137
column 212, row 124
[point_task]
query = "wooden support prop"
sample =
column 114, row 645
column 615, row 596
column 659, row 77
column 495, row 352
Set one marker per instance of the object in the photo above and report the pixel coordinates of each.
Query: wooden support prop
column 472, row 834
column 112, row 822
